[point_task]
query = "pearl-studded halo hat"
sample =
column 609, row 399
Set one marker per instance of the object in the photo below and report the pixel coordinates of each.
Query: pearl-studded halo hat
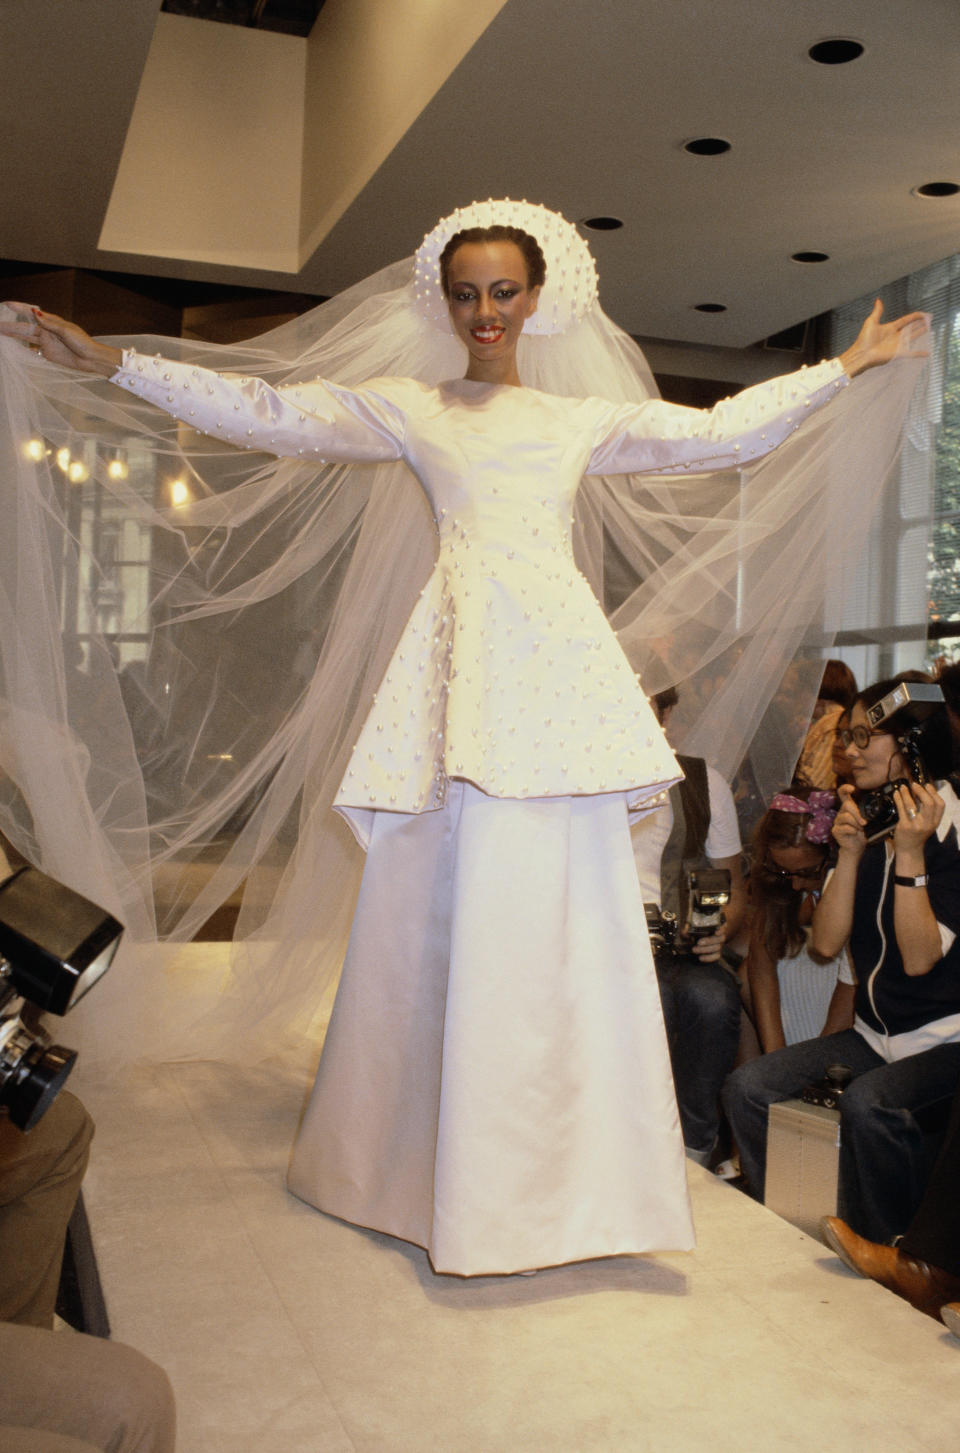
column 570, row 290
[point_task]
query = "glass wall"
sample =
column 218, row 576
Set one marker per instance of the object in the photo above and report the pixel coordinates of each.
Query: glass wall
column 904, row 608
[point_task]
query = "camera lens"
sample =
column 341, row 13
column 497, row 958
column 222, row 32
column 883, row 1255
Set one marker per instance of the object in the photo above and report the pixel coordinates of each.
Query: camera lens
column 35, row 1082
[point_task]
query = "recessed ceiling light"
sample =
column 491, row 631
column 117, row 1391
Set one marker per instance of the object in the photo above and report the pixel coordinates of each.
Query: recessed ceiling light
column 707, row 146
column 710, row 307
column 836, row 52
column 810, row 256
column 937, row 189
column 602, row 224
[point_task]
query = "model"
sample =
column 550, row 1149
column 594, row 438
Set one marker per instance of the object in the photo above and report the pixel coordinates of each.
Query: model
column 495, row 1083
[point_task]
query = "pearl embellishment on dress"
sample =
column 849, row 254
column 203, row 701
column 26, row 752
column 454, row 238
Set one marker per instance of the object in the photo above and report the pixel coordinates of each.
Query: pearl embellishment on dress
column 506, row 628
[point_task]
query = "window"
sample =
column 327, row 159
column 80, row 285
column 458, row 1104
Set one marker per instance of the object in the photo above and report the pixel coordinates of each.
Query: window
column 904, row 608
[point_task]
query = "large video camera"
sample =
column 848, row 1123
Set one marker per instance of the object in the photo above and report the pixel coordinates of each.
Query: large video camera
column 704, row 893
column 54, row 946
column 878, row 807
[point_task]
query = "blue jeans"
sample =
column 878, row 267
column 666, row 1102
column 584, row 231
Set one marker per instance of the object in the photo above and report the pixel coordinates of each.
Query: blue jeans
column 883, row 1159
column 701, row 1012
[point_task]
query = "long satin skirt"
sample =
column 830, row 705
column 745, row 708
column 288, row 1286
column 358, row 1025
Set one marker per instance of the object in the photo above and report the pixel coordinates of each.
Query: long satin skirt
column 495, row 1084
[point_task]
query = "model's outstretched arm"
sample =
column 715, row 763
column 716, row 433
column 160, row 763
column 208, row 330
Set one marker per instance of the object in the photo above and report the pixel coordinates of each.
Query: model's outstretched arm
column 312, row 419
column 60, row 342
column 879, row 342
column 666, row 438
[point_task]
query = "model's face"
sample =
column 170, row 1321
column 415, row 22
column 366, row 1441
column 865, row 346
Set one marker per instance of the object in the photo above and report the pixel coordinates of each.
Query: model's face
column 800, row 866
column 878, row 761
column 489, row 300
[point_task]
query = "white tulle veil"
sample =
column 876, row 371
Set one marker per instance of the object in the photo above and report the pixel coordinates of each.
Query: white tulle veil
column 191, row 635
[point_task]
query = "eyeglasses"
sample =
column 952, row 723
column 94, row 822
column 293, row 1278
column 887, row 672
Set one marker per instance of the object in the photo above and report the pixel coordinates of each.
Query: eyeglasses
column 771, row 870
column 859, row 735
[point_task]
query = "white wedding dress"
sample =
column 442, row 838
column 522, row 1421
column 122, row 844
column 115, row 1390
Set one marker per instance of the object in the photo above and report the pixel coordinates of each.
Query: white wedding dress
column 495, row 1084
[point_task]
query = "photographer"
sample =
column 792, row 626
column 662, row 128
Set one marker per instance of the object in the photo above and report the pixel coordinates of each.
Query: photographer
column 894, row 900
column 793, row 992
column 60, row 1392
column 700, row 996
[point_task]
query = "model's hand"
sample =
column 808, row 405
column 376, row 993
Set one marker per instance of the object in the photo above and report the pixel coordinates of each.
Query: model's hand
column 878, row 342
column 919, row 810
column 58, row 341
column 848, row 825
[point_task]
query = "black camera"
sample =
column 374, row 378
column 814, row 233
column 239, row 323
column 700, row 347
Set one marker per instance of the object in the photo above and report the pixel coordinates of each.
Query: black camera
column 662, row 928
column 828, row 1091
column 54, row 946
column 878, row 807
column 704, row 893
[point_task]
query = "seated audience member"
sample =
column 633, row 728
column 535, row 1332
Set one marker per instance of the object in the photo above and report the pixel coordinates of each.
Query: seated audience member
column 700, row 997
column 837, row 688
column 40, row 1176
column 793, row 992
column 62, row 1390
column 817, row 766
column 924, row 1268
column 841, row 762
column 896, row 904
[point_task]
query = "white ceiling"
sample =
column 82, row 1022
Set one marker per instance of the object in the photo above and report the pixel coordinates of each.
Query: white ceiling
column 583, row 105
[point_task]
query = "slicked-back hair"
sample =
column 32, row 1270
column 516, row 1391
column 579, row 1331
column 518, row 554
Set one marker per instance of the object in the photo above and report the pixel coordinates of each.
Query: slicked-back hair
column 533, row 256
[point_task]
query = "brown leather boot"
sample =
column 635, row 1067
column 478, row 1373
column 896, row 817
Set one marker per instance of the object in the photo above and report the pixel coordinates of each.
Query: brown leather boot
column 928, row 1288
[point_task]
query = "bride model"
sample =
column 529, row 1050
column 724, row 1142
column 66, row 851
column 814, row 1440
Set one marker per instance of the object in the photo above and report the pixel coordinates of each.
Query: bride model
column 494, row 1084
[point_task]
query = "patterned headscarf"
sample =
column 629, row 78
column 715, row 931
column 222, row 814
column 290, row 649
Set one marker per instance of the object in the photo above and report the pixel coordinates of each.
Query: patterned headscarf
column 821, row 807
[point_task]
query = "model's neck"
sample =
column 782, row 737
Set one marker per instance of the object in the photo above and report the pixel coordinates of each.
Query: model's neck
column 501, row 371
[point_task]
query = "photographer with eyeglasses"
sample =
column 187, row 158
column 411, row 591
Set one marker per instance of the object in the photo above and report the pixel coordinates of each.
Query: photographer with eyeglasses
column 893, row 900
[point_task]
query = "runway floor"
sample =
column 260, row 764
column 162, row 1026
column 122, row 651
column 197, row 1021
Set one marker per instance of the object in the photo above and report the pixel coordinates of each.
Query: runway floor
column 285, row 1331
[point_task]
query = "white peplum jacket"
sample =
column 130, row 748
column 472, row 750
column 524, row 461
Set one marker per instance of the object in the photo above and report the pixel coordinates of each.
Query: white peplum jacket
column 507, row 674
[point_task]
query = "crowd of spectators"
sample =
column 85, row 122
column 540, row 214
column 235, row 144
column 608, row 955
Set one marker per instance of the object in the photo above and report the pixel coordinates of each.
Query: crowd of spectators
column 844, row 951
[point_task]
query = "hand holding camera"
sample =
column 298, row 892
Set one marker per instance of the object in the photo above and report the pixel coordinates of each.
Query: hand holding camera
column 912, row 813
column 699, row 929
column 709, row 947
column 919, row 810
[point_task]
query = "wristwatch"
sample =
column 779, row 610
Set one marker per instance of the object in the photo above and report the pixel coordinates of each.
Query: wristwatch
column 918, row 882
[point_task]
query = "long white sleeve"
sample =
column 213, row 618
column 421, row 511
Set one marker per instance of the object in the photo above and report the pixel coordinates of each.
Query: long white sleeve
column 657, row 437
column 316, row 419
